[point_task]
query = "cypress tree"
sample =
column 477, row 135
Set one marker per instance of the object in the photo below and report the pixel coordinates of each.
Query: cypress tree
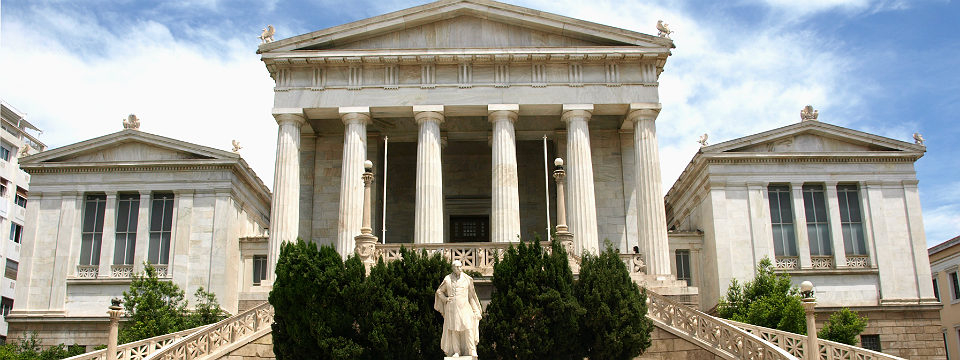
column 616, row 326
column 533, row 313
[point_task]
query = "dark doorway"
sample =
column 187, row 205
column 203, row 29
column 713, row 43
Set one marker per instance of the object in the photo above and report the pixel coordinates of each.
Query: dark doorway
column 470, row 228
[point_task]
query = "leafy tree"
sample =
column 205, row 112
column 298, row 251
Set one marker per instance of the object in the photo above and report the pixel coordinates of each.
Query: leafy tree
column 843, row 327
column 402, row 323
column 155, row 307
column 615, row 327
column 769, row 301
column 533, row 314
column 207, row 309
column 316, row 298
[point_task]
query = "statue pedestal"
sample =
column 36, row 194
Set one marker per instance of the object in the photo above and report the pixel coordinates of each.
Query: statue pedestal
column 460, row 357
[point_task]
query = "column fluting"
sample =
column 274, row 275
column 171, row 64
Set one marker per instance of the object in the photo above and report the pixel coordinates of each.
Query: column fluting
column 581, row 198
column 504, row 192
column 428, row 211
column 285, row 207
column 355, row 122
column 652, row 220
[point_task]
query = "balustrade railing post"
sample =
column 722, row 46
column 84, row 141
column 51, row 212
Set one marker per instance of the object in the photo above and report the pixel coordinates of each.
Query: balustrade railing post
column 809, row 306
column 366, row 242
column 114, row 312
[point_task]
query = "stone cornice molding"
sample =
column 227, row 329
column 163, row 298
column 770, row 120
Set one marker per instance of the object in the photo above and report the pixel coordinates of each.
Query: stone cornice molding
column 424, row 113
column 355, row 115
column 511, row 55
column 288, row 116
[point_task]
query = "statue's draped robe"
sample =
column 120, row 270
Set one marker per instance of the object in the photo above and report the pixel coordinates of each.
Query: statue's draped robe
column 461, row 313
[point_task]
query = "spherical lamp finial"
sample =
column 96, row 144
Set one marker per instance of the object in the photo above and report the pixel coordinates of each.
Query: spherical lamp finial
column 368, row 165
column 806, row 286
column 558, row 162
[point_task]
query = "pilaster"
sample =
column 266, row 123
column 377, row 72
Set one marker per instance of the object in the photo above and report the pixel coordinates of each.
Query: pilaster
column 285, row 208
column 109, row 241
column 355, row 121
column 582, row 206
column 652, row 223
column 505, row 192
column 836, row 231
column 142, row 245
column 800, row 225
column 761, row 233
column 428, row 210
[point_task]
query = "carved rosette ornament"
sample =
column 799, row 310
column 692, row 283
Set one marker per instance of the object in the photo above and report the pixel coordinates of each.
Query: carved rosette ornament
column 809, row 114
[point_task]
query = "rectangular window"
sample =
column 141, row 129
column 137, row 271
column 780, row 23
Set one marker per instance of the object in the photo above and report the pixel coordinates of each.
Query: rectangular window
column 683, row 266
column 936, row 289
column 781, row 216
column 161, row 223
column 4, row 153
column 469, row 228
column 818, row 229
column 11, row 270
column 954, row 285
column 128, row 208
column 259, row 269
column 92, row 229
column 6, row 304
column 850, row 220
column 870, row 342
column 21, row 201
column 16, row 232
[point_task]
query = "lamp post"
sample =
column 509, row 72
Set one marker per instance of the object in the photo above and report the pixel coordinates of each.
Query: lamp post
column 114, row 312
column 366, row 243
column 564, row 236
column 809, row 304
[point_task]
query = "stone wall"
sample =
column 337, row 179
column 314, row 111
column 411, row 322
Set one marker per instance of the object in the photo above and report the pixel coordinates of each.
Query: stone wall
column 89, row 333
column 664, row 345
column 261, row 348
column 326, row 187
column 608, row 186
column 907, row 333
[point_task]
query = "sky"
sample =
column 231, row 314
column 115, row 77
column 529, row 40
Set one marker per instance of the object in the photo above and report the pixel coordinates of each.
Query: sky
column 189, row 70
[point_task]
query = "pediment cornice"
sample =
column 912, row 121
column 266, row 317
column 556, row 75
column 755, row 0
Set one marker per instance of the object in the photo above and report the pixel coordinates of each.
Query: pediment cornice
column 447, row 9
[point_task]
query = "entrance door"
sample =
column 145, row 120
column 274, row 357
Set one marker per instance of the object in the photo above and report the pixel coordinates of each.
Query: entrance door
column 474, row 228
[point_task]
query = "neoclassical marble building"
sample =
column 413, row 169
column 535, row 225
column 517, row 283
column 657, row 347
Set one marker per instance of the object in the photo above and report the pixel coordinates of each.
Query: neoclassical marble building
column 459, row 104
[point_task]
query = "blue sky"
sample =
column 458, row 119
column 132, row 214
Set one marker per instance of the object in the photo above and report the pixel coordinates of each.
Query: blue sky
column 188, row 69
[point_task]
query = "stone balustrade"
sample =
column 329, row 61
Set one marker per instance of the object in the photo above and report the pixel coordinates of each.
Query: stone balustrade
column 475, row 256
column 139, row 349
column 710, row 332
column 795, row 344
column 219, row 338
column 634, row 263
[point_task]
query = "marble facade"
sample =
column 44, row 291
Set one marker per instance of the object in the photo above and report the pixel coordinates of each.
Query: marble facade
column 217, row 202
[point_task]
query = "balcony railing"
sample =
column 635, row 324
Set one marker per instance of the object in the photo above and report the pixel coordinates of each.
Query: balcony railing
column 796, row 345
column 88, row 271
column 787, row 262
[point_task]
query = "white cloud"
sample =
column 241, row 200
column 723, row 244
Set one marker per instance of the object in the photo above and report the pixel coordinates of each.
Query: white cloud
column 941, row 223
column 204, row 95
column 800, row 9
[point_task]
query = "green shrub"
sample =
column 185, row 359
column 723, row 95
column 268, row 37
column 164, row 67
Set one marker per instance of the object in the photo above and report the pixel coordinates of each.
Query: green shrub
column 843, row 326
column 769, row 300
column 615, row 326
column 533, row 313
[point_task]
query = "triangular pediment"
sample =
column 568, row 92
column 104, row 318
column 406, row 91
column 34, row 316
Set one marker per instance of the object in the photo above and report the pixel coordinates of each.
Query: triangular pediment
column 128, row 146
column 466, row 24
column 812, row 137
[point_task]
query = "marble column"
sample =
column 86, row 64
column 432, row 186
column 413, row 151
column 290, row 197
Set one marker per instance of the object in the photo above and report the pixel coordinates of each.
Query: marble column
column 504, row 192
column 581, row 204
column 355, row 120
column 652, row 219
column 285, row 207
column 428, row 213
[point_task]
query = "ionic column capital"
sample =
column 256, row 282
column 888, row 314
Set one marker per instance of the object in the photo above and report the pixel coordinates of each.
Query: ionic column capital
column 355, row 115
column 425, row 113
column 577, row 111
column 289, row 115
column 501, row 112
column 643, row 111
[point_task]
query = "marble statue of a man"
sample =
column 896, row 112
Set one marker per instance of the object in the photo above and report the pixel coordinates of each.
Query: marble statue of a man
column 457, row 301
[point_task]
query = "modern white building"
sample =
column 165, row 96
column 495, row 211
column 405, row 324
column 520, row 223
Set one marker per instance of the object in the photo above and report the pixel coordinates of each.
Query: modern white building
column 101, row 208
column 16, row 140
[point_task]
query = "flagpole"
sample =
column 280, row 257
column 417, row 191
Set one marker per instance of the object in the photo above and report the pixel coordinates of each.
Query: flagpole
column 383, row 224
column 546, row 183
